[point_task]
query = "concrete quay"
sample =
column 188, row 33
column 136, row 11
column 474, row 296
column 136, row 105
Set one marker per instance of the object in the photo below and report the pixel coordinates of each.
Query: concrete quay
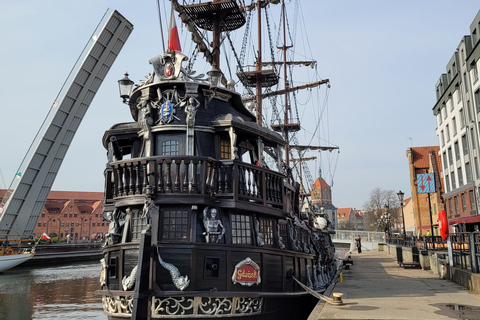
column 376, row 287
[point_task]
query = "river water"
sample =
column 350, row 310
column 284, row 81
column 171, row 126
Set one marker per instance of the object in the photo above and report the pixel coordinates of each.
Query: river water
column 44, row 293
column 55, row 292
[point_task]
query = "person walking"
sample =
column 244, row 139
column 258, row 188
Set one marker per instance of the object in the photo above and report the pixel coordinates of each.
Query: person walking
column 358, row 240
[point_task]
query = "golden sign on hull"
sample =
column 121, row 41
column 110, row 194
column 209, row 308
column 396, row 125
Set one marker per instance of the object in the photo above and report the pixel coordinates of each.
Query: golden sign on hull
column 246, row 273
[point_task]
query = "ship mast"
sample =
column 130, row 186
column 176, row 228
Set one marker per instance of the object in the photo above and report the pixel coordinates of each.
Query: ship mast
column 217, row 16
column 258, row 66
column 287, row 96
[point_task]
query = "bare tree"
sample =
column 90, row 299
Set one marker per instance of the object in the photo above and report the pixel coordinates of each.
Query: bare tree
column 377, row 217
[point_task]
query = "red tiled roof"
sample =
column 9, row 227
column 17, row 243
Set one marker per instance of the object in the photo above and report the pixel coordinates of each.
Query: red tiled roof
column 420, row 156
column 78, row 195
column 320, row 183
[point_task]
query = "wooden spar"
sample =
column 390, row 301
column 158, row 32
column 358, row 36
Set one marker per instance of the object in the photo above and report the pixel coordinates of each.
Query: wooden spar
column 288, row 90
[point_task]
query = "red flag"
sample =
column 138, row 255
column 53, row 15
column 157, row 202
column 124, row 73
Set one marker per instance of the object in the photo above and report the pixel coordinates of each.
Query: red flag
column 45, row 236
column 173, row 39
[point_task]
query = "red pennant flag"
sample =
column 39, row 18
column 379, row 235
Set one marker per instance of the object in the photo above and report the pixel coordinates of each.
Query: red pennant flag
column 173, row 39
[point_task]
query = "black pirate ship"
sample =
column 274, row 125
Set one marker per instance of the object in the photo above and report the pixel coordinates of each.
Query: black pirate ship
column 200, row 225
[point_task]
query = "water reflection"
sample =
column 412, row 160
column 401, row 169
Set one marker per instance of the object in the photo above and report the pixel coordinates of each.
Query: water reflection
column 60, row 292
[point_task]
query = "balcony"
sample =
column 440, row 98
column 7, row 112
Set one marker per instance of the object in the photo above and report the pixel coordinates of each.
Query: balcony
column 189, row 179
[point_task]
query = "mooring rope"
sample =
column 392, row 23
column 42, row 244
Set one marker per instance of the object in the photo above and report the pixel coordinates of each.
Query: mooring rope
column 315, row 293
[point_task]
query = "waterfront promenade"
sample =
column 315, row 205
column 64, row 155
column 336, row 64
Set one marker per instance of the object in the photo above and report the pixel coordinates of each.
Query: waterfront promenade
column 376, row 287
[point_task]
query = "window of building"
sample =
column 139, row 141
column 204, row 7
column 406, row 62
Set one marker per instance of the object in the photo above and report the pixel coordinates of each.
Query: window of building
column 442, row 138
column 465, row 81
column 457, row 150
column 452, row 176
column 266, row 228
column 464, row 144
column 468, row 171
column 450, row 207
column 460, row 177
column 225, row 149
column 450, row 158
column 477, row 99
column 445, row 161
column 474, row 72
column 175, row 225
column 454, row 126
column 241, row 229
column 439, row 119
column 68, row 223
column 464, row 203
column 462, row 118
column 469, row 111
column 477, row 173
column 455, row 199
column 447, row 132
column 39, row 224
column 472, row 135
column 447, row 182
column 472, row 199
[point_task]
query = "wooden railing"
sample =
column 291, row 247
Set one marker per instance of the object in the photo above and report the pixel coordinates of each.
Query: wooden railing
column 175, row 175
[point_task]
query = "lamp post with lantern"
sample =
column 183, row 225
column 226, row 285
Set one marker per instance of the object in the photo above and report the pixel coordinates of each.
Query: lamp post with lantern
column 125, row 86
column 400, row 195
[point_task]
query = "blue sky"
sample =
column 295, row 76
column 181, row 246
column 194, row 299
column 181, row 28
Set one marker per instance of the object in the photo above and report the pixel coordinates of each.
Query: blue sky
column 383, row 59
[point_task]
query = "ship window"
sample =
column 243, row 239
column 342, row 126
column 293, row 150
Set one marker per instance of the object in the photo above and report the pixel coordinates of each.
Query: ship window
column 139, row 224
column 170, row 148
column 266, row 228
column 175, row 225
column 225, row 149
column 241, row 229
column 169, row 145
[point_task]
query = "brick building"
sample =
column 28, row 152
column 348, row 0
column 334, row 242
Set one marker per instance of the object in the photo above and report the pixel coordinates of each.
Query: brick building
column 349, row 219
column 426, row 206
column 321, row 197
column 72, row 213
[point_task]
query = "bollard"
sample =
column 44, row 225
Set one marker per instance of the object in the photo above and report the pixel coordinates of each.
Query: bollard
column 337, row 298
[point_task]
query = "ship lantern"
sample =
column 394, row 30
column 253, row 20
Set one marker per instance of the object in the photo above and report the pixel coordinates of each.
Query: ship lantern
column 125, row 85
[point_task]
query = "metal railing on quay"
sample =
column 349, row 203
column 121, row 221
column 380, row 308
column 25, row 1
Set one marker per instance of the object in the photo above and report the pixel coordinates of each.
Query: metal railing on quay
column 465, row 247
column 364, row 235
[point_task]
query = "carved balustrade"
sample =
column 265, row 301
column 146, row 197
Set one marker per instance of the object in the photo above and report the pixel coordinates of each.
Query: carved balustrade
column 175, row 175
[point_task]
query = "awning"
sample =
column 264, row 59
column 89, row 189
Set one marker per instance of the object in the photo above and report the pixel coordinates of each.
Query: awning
column 468, row 219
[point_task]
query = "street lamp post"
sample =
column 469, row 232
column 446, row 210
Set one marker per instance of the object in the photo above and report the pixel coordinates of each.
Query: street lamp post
column 400, row 197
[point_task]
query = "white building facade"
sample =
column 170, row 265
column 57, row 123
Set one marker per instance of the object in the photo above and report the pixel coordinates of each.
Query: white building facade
column 458, row 129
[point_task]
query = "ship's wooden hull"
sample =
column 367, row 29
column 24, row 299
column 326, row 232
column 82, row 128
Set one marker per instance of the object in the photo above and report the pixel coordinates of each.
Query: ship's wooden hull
column 211, row 292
